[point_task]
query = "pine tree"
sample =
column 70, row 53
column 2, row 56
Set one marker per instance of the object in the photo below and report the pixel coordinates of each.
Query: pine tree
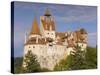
column 78, row 59
column 91, row 57
column 31, row 62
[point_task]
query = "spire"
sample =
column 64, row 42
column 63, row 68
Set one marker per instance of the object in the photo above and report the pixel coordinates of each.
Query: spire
column 35, row 29
column 47, row 12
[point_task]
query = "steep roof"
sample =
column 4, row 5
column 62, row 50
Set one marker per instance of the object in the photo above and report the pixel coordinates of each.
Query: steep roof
column 47, row 12
column 35, row 29
column 60, row 34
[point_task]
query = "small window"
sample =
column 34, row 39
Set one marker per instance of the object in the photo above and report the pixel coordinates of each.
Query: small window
column 48, row 33
column 29, row 47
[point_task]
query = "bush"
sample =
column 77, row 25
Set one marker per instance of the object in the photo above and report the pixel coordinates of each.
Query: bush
column 18, row 64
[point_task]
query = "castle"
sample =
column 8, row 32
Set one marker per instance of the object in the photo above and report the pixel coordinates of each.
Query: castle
column 50, row 46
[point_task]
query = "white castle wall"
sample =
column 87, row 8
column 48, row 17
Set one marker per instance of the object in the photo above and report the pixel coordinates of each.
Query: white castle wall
column 36, row 49
column 47, row 55
column 69, row 50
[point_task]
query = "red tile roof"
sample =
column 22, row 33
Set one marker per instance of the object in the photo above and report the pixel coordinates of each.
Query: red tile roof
column 60, row 34
column 35, row 29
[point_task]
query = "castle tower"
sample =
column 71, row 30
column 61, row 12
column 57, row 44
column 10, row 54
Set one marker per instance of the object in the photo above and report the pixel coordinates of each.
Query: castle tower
column 32, row 43
column 47, row 25
column 35, row 31
column 33, row 37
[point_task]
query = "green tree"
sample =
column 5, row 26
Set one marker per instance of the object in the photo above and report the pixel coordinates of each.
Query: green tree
column 78, row 59
column 83, row 31
column 32, row 64
column 63, row 64
column 17, row 64
column 75, row 61
column 91, row 57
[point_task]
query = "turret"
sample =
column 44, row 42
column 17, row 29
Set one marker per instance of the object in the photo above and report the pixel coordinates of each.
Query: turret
column 47, row 25
column 35, row 31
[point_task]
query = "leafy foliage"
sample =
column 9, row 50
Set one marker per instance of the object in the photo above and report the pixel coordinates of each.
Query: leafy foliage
column 79, row 60
column 63, row 64
column 83, row 31
column 18, row 64
column 91, row 57
column 32, row 64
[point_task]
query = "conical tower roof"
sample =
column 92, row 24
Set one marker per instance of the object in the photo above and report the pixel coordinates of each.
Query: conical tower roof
column 47, row 12
column 35, row 29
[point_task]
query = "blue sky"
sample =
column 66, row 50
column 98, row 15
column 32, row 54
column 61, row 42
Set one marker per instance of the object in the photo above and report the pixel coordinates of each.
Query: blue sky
column 67, row 18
